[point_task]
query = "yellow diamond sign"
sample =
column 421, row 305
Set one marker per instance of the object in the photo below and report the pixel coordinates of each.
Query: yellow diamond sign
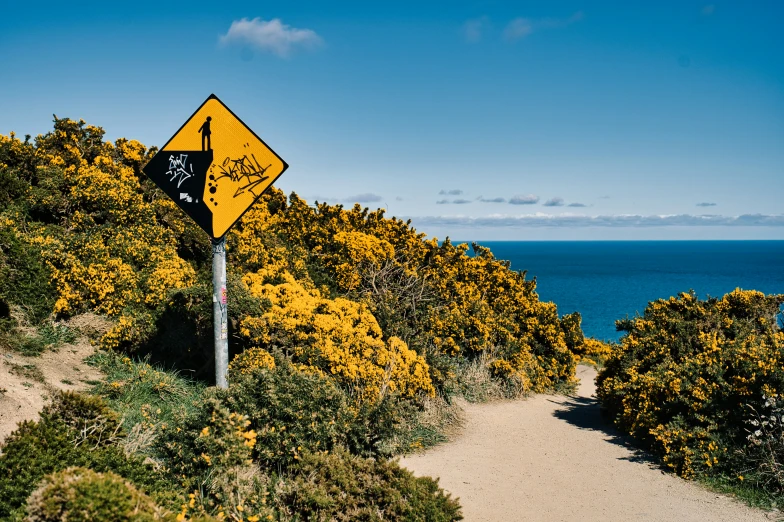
column 215, row 167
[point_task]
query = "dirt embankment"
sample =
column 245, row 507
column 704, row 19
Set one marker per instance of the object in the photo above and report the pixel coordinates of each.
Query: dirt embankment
column 553, row 458
column 26, row 383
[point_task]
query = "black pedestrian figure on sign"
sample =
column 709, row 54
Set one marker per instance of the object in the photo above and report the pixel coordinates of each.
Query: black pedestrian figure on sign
column 205, row 134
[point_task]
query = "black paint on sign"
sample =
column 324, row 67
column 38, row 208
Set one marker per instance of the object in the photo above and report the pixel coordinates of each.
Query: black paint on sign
column 182, row 174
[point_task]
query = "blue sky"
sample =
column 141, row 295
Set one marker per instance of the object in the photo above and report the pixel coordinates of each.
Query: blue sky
column 478, row 120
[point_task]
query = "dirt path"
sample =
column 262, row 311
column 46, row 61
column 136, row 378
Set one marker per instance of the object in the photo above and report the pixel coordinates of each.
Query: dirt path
column 552, row 458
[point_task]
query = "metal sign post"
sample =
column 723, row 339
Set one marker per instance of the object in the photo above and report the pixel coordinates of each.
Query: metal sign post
column 215, row 168
column 220, row 314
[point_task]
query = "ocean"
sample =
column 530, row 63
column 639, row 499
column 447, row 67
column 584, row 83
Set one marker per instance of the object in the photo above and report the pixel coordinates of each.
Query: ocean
column 610, row 280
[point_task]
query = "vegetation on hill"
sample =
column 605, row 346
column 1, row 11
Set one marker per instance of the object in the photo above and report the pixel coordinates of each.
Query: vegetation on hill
column 349, row 293
column 348, row 331
column 346, row 326
column 700, row 383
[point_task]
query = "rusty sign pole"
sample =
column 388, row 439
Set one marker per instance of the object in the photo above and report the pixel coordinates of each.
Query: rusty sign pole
column 219, row 306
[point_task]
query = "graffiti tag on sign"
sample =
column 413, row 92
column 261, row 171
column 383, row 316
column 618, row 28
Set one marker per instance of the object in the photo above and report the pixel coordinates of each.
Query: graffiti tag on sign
column 215, row 167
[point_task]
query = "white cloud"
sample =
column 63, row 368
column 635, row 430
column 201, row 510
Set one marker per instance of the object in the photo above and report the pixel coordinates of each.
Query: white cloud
column 367, row 197
column 554, row 202
column 459, row 201
column 554, row 23
column 518, row 28
column 574, row 220
column 522, row 27
column 273, row 36
column 528, row 199
column 706, row 204
column 473, row 30
column 453, row 192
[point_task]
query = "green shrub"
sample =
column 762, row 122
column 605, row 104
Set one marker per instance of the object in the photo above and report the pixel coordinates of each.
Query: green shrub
column 685, row 371
column 87, row 415
column 211, row 455
column 5, row 316
column 180, row 333
column 213, row 438
column 32, row 451
column 82, row 495
column 290, row 411
column 75, row 430
column 590, row 351
column 233, row 493
column 342, row 487
column 24, row 277
column 764, row 451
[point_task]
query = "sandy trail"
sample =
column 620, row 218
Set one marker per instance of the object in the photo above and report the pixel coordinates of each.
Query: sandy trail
column 552, row 458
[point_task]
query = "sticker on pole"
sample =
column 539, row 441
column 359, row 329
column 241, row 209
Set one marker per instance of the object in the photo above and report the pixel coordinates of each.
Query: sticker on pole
column 215, row 167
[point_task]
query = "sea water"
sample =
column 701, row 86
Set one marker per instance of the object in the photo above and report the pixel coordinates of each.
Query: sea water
column 610, row 280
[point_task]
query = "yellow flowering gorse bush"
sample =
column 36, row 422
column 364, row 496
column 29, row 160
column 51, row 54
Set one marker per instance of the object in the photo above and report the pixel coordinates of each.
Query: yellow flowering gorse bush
column 336, row 336
column 344, row 292
column 685, row 370
column 440, row 301
column 99, row 236
column 250, row 361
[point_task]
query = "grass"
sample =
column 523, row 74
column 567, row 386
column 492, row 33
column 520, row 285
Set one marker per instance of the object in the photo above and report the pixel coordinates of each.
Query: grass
column 28, row 371
column 754, row 497
column 150, row 399
column 429, row 426
column 476, row 383
column 142, row 394
column 49, row 336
